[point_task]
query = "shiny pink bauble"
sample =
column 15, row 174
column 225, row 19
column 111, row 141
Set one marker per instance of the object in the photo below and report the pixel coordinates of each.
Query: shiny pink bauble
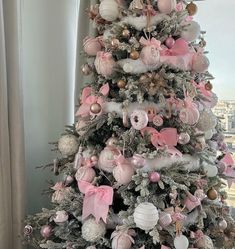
column 46, row 231
column 139, row 119
column 150, row 55
column 200, row 63
column 91, row 46
column 123, row 173
column 166, row 6
column 138, row 161
column 86, row 174
column 154, row 177
column 170, row 42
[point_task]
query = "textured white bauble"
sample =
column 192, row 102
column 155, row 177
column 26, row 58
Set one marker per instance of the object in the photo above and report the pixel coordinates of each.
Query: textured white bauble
column 127, row 67
column 191, row 32
column 205, row 243
column 166, row 6
column 109, row 10
column 92, row 231
column 68, row 145
column 200, row 63
column 207, row 120
column 210, row 170
column 181, row 242
column 146, row 216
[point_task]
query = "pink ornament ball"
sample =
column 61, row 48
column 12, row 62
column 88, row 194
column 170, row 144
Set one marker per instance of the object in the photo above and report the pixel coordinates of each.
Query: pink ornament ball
column 123, row 173
column 104, row 63
column 150, row 55
column 170, row 42
column 139, row 119
column 165, row 219
column 85, row 174
column 189, row 115
column 46, row 231
column 166, row 6
column 184, row 138
column 68, row 180
column 200, row 63
column 158, row 120
column 91, row 46
column 154, row 177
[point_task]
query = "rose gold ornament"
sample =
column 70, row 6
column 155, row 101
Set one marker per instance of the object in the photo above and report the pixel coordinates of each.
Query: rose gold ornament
column 208, row 86
column 126, row 33
column 121, row 84
column 191, row 8
column 134, row 55
column 212, row 194
column 86, row 69
column 154, row 177
column 115, row 43
column 85, row 174
column 95, row 108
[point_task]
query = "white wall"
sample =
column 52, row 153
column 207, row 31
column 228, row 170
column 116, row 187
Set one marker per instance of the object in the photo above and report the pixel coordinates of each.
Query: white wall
column 49, row 30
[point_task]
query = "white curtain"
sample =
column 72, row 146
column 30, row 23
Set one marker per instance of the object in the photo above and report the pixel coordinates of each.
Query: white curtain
column 12, row 171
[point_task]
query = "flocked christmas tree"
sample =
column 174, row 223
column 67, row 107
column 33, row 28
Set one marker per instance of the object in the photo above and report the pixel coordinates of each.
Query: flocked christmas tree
column 145, row 165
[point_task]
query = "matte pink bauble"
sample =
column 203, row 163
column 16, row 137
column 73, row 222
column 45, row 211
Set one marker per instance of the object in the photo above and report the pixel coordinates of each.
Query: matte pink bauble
column 123, row 173
column 165, row 219
column 200, row 63
column 106, row 160
column 170, row 42
column 85, row 174
column 154, row 177
column 46, row 231
column 104, row 63
column 150, row 55
column 166, row 6
column 91, row 46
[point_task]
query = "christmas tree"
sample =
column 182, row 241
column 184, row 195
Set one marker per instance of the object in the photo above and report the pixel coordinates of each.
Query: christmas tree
column 145, row 165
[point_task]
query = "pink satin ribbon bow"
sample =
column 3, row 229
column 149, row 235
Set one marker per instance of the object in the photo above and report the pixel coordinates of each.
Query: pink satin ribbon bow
column 151, row 42
column 179, row 48
column 87, row 99
column 96, row 201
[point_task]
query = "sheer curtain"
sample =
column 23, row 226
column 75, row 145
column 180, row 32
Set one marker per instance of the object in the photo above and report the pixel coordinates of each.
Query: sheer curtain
column 11, row 129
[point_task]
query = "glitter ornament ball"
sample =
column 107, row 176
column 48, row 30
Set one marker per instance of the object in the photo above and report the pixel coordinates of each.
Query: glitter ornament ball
column 123, row 173
column 68, row 145
column 170, row 42
column 181, row 242
column 92, row 231
column 154, row 177
column 192, row 9
column 212, row 194
column 139, row 119
column 158, row 120
column 207, row 120
column 166, row 6
column 210, row 170
column 109, row 10
column 146, row 216
column 46, row 231
column 191, row 31
column 184, row 138
column 95, row 108
column 28, row 230
column 85, row 174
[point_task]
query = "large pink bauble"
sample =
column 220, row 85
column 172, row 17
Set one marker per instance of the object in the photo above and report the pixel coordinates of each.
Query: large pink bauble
column 106, row 160
column 86, row 174
column 139, row 119
column 150, row 55
column 165, row 219
column 166, row 6
column 104, row 63
column 189, row 115
column 123, row 173
column 121, row 241
column 46, row 231
column 91, row 46
column 200, row 63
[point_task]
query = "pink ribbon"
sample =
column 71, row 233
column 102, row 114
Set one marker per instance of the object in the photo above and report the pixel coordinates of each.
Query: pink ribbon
column 179, row 48
column 104, row 55
column 198, row 235
column 87, row 100
column 96, row 201
column 228, row 159
column 151, row 42
column 176, row 214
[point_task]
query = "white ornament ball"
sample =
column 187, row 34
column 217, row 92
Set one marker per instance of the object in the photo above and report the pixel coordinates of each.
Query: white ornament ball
column 166, row 6
column 205, row 243
column 86, row 174
column 92, row 231
column 207, row 120
column 68, row 145
column 210, row 170
column 200, row 63
column 191, row 31
column 146, row 216
column 123, row 173
column 106, row 160
column 109, row 10
column 127, row 67
column 223, row 224
column 181, row 242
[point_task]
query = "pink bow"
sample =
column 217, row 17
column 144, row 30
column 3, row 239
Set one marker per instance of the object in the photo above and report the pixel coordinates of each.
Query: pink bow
column 176, row 214
column 151, row 42
column 179, row 48
column 167, row 136
column 228, row 159
column 87, row 100
column 198, row 235
column 96, row 201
